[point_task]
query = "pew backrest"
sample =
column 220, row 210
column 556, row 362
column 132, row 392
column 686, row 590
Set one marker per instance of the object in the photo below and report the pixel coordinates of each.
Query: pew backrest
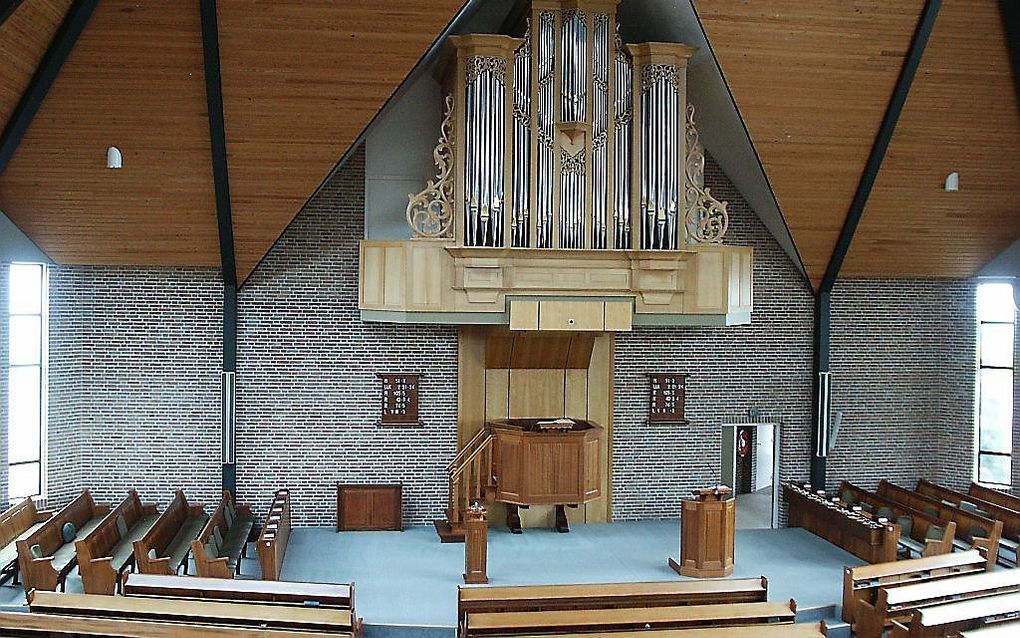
column 323, row 595
column 214, row 613
column 1010, row 518
column 938, row 541
column 272, row 542
column 863, row 582
column 799, row 630
column 623, row 619
column 1005, row 629
column 101, row 540
column 966, row 614
column 983, row 533
column 211, row 564
column 898, row 602
column 52, row 625
column 609, row 595
column 994, row 496
column 18, row 519
column 162, row 533
column 49, row 537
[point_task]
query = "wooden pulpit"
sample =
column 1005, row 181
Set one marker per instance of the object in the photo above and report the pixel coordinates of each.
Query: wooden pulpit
column 707, row 525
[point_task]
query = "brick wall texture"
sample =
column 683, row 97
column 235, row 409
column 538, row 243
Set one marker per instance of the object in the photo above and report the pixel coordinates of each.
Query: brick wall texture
column 135, row 355
column 135, row 359
column 308, row 395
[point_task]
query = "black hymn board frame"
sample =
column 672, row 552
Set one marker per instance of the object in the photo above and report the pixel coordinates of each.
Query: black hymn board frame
column 399, row 399
column 667, row 395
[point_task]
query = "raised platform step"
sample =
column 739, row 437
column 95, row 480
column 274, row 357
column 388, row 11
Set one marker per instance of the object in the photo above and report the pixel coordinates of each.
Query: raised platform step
column 447, row 533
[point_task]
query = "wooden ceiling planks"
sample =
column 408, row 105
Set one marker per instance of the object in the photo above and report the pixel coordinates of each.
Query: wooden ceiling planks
column 24, row 38
column 301, row 81
column 961, row 115
column 812, row 81
column 134, row 80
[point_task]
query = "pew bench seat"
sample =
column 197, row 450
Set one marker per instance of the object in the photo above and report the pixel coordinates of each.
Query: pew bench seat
column 9, row 552
column 65, row 557
column 235, row 540
column 179, row 547
column 123, row 552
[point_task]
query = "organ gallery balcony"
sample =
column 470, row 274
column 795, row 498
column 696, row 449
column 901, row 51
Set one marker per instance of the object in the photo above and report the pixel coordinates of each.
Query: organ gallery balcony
column 570, row 190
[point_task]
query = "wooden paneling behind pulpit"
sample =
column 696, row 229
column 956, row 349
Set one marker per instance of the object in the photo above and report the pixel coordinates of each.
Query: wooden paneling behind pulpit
column 508, row 375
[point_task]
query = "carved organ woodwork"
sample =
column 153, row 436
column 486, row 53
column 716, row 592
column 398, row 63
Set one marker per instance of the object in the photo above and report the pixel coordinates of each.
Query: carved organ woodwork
column 569, row 166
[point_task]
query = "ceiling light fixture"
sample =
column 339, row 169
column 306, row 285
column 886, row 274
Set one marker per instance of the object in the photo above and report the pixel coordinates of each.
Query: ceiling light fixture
column 114, row 159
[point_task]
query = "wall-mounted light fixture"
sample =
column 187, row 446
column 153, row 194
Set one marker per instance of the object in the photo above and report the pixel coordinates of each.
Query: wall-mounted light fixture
column 953, row 182
column 114, row 159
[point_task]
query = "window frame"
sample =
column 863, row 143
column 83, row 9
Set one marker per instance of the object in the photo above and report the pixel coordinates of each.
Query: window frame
column 979, row 453
column 43, row 366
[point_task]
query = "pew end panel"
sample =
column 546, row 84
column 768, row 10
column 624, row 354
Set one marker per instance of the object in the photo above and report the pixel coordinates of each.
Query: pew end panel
column 207, row 566
column 147, row 565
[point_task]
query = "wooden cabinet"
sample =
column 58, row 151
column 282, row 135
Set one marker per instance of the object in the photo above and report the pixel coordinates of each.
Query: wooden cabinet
column 368, row 507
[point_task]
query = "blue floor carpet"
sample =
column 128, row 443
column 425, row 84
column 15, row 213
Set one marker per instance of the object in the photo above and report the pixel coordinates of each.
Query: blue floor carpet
column 410, row 578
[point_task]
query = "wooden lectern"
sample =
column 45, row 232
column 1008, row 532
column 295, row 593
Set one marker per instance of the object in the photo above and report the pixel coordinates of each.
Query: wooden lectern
column 476, row 546
column 706, row 534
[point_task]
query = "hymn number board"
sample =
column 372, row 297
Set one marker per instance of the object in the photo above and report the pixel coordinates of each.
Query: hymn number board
column 666, row 403
column 399, row 399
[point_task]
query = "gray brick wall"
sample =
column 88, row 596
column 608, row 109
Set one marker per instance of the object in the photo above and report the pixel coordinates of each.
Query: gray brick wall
column 308, row 397
column 5, row 283
column 766, row 365
column 134, row 382
column 135, row 360
column 903, row 376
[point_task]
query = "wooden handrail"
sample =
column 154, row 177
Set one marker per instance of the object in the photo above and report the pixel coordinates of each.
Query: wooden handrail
column 486, row 445
column 475, row 440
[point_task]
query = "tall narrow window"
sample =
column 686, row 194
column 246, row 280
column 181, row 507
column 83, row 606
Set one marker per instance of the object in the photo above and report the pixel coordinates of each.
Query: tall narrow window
column 996, row 312
column 26, row 375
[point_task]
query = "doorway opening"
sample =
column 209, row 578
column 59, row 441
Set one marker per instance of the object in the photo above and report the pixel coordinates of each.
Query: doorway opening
column 750, row 467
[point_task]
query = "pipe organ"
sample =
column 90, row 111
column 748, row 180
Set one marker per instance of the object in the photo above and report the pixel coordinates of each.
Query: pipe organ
column 569, row 165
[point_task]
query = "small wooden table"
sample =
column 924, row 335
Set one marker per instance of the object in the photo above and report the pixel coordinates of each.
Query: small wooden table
column 707, row 534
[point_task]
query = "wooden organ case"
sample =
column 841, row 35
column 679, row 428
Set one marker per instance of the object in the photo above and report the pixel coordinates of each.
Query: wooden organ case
column 569, row 168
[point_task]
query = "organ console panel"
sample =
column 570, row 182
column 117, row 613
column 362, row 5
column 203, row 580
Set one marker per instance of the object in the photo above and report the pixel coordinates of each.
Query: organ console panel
column 569, row 166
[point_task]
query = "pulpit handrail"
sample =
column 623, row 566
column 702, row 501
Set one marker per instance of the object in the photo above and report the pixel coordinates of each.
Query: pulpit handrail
column 467, row 449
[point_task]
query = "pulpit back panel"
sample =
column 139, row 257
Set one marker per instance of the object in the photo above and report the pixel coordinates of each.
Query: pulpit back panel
column 488, row 394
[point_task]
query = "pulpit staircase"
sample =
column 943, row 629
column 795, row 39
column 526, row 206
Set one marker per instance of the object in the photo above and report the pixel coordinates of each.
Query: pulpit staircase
column 471, row 481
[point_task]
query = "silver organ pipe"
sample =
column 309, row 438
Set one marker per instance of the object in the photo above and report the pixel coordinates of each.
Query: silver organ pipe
column 661, row 147
column 585, row 135
column 546, row 52
column 574, row 44
column 522, row 145
column 623, row 116
column 600, row 131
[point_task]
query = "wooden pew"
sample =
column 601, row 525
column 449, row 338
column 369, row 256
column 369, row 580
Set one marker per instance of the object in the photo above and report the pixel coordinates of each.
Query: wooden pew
column 900, row 602
column 942, row 621
column 53, row 557
column 524, row 623
column 27, row 625
column 1006, row 629
column 16, row 523
column 994, row 496
column 272, row 543
column 221, row 544
column 862, row 583
column 923, row 534
column 857, row 533
column 108, row 549
column 232, row 614
column 609, row 595
column 325, row 595
column 1010, row 518
column 972, row 530
column 799, row 630
column 165, row 547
